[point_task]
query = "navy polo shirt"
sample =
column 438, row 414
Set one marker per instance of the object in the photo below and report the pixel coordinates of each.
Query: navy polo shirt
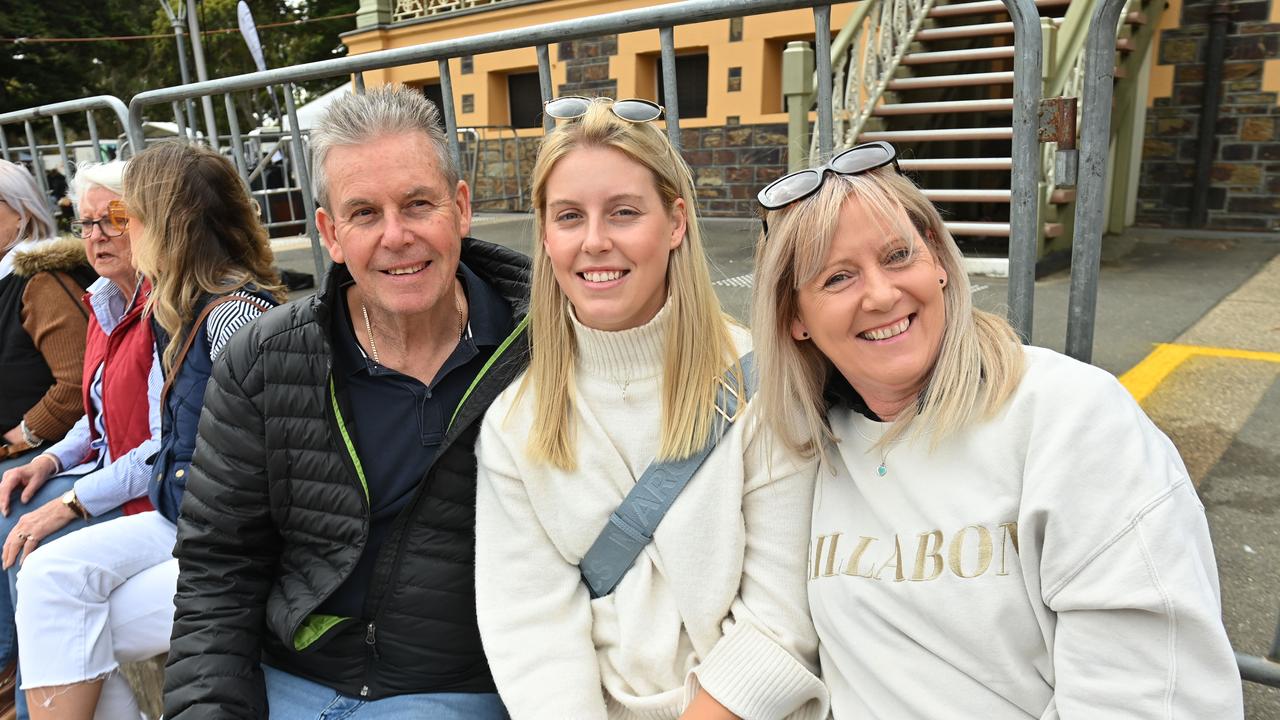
column 397, row 423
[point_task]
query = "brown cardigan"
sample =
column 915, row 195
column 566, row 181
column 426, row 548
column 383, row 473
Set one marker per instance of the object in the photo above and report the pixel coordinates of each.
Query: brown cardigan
column 56, row 320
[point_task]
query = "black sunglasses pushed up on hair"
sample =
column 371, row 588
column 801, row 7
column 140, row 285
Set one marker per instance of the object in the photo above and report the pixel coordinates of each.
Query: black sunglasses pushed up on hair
column 571, row 107
column 799, row 185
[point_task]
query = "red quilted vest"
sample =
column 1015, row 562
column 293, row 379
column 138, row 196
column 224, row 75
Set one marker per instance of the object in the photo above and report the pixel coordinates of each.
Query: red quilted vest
column 125, row 356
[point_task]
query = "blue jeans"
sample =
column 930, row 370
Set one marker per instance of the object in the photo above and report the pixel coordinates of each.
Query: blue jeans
column 53, row 488
column 293, row 698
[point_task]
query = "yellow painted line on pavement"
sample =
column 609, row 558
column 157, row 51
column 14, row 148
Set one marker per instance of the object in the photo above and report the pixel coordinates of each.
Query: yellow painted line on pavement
column 1142, row 379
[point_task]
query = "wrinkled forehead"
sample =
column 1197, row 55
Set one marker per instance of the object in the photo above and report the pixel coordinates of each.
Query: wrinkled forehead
column 816, row 221
column 94, row 201
column 385, row 167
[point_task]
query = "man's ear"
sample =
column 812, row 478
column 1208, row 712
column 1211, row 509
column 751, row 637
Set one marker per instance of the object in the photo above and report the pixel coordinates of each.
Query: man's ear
column 462, row 199
column 329, row 234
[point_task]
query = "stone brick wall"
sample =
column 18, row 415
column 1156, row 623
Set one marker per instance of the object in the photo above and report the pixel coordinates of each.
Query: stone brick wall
column 587, row 67
column 496, row 173
column 1245, row 189
column 730, row 164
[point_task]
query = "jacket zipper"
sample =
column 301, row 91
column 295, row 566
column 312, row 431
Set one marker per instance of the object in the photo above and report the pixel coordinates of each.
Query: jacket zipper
column 370, row 636
column 370, row 639
column 348, row 453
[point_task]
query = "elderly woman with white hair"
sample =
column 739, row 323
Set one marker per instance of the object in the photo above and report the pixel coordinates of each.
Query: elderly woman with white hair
column 42, row 331
column 42, row 322
column 998, row 530
column 99, row 470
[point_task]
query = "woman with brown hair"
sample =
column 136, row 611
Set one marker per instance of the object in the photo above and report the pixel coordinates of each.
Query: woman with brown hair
column 198, row 240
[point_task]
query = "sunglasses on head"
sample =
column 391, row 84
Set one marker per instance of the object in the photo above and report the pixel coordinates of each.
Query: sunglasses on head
column 799, row 185
column 572, row 107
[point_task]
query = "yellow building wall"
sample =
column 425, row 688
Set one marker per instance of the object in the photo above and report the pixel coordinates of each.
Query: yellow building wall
column 758, row 53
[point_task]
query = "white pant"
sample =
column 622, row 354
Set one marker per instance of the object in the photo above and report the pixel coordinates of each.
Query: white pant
column 93, row 599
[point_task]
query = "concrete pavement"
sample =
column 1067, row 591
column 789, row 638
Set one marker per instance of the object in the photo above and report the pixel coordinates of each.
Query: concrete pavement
column 1190, row 322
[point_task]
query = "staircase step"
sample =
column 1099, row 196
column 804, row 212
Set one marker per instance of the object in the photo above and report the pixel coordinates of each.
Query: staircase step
column 978, row 196
column 949, row 56
column 905, row 136
column 986, row 7
column 988, row 229
column 996, row 267
column 951, row 106
column 958, row 32
column 1137, row 17
column 932, row 164
column 1061, row 196
column 929, row 82
column 1125, row 45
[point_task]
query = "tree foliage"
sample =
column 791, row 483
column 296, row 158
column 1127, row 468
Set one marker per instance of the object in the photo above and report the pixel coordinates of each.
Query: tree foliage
column 38, row 73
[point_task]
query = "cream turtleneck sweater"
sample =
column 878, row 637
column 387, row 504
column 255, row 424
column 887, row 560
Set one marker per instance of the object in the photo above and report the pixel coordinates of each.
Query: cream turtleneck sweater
column 716, row 601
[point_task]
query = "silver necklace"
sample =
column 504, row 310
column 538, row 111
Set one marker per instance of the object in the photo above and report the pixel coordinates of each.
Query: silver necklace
column 373, row 346
column 368, row 329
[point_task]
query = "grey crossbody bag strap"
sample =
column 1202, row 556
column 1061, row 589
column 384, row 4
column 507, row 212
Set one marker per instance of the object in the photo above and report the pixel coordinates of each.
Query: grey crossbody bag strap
column 630, row 528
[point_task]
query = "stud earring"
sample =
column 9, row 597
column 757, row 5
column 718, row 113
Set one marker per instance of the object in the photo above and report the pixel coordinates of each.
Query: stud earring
column 942, row 281
column 804, row 335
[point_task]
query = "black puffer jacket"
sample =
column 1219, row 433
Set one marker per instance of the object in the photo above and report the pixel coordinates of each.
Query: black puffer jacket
column 275, row 518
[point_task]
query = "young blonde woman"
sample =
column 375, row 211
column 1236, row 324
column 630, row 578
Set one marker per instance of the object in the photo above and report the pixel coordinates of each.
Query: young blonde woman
column 629, row 357
column 999, row 531
column 104, row 595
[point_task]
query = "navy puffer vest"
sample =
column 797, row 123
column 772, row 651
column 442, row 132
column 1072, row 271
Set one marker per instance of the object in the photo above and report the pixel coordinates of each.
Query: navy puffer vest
column 181, row 414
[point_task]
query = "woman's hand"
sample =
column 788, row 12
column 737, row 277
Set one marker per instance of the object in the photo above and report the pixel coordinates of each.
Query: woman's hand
column 34, row 527
column 705, row 707
column 30, row 477
column 15, row 437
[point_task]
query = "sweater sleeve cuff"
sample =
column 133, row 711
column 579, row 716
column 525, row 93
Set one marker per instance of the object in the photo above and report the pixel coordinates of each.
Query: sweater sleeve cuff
column 753, row 677
column 43, row 424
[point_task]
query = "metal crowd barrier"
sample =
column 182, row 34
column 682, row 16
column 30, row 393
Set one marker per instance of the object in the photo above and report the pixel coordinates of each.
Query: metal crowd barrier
column 1091, row 183
column 55, row 111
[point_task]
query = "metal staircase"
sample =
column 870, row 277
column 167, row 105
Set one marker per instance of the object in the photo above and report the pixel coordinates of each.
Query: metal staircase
column 936, row 79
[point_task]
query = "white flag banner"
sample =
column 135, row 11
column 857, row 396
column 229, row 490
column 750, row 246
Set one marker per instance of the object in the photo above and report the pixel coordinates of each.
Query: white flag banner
column 250, row 32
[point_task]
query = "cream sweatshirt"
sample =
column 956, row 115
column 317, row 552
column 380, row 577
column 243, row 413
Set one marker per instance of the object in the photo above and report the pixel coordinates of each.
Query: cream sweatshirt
column 715, row 601
column 1051, row 563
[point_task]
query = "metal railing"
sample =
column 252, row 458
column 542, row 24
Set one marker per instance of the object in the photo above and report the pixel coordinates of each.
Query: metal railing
column 54, row 112
column 866, row 53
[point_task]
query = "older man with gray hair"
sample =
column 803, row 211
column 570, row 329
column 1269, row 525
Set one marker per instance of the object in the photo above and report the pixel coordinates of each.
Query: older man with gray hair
column 326, row 539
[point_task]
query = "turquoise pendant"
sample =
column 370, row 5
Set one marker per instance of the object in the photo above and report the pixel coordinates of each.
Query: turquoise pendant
column 882, row 470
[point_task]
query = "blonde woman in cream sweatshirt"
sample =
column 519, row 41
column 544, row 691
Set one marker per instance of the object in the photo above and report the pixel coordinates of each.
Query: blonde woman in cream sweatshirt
column 628, row 347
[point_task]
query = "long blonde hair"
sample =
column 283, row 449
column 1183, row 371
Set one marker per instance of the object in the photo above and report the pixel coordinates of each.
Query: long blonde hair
column 201, row 234
column 980, row 360
column 699, row 347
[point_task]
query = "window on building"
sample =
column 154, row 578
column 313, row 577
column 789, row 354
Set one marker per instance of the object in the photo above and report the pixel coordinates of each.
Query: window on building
column 467, row 64
column 735, row 29
column 433, row 93
column 691, row 84
column 525, row 100
column 735, row 79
